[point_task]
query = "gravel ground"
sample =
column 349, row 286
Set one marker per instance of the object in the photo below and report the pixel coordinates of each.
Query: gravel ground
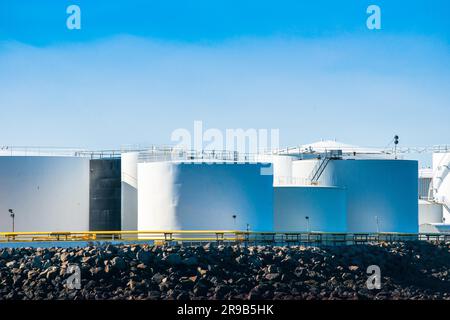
column 409, row 270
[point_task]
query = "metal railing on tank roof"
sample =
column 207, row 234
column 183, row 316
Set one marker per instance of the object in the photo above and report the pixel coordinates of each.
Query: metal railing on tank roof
column 58, row 152
column 148, row 154
column 38, row 151
column 183, row 155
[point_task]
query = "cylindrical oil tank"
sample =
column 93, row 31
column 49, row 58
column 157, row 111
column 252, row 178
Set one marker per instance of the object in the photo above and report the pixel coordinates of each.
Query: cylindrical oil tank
column 441, row 181
column 381, row 193
column 310, row 208
column 430, row 212
column 46, row 193
column 282, row 170
column 204, row 196
column 442, row 228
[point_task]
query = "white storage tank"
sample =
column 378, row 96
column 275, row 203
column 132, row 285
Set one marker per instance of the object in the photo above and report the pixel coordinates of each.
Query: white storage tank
column 435, row 228
column 381, row 193
column 204, row 196
column 46, row 193
column 310, row 208
column 282, row 169
column 430, row 212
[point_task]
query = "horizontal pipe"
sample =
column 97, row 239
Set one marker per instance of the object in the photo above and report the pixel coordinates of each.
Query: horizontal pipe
column 216, row 235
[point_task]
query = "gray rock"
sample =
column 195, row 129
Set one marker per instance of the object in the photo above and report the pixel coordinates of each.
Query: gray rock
column 273, row 269
column 4, row 254
column 154, row 295
column 191, row 261
column 119, row 263
column 254, row 294
column 32, row 274
column 64, row 257
column 157, row 278
column 174, row 259
column 273, row 276
column 37, row 262
column 144, row 256
column 183, row 296
column 47, row 264
column 52, row 272
column 221, row 290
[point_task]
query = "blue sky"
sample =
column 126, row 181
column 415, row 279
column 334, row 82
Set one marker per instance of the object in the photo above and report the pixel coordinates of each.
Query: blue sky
column 137, row 70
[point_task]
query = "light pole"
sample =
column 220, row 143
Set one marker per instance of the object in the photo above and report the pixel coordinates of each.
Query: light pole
column 378, row 224
column 234, row 221
column 307, row 223
column 12, row 215
column 395, row 145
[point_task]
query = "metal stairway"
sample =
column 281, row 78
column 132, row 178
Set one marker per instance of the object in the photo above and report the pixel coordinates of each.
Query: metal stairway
column 319, row 168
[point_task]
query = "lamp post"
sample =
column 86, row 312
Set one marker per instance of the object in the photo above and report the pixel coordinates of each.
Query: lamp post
column 378, row 224
column 234, row 220
column 307, row 223
column 12, row 215
column 395, row 145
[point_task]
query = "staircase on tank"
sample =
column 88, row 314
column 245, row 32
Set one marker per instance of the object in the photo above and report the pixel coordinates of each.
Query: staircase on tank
column 320, row 167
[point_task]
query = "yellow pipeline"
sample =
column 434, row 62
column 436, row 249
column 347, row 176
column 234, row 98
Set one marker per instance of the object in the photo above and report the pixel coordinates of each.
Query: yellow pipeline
column 212, row 235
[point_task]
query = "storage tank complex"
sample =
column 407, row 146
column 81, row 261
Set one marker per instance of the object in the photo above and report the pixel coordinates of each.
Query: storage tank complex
column 326, row 187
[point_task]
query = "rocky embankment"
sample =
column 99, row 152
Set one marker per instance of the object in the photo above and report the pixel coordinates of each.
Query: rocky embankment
column 411, row 270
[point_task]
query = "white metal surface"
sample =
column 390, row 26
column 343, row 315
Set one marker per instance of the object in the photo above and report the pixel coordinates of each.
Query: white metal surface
column 430, row 212
column 381, row 194
column 282, row 170
column 310, row 208
column 434, row 228
column 45, row 193
column 201, row 196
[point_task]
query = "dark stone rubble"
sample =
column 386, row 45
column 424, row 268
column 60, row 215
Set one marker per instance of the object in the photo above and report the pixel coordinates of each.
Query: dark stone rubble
column 409, row 270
